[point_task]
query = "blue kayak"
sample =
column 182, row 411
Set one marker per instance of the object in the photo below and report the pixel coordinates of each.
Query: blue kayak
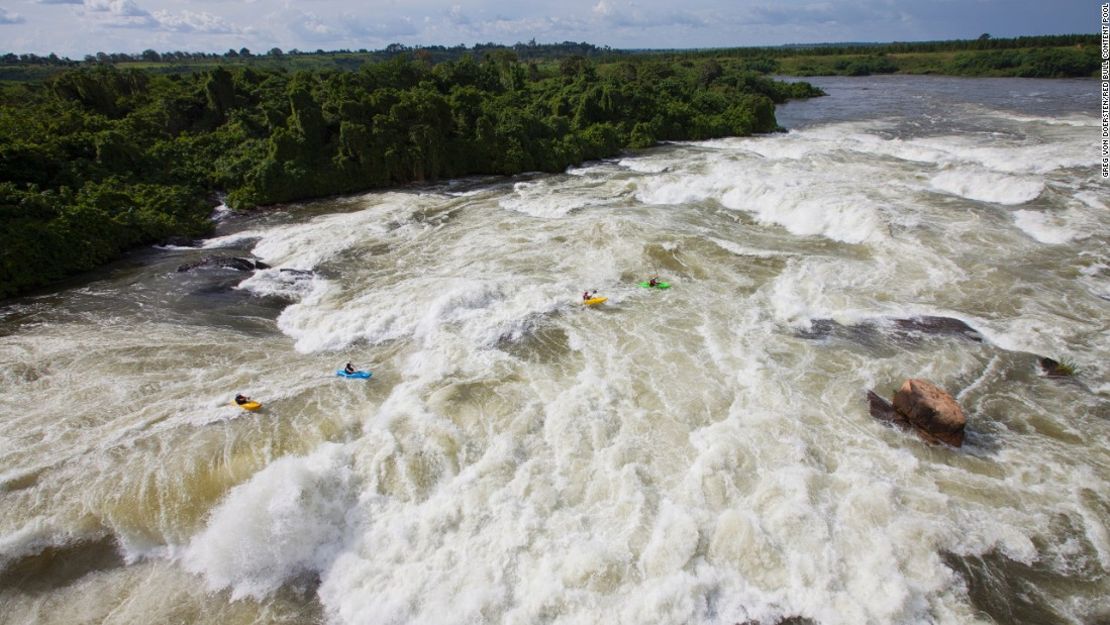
column 361, row 375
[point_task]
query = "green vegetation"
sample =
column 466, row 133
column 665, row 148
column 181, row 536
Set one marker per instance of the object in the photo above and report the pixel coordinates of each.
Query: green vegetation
column 1050, row 56
column 96, row 160
column 1069, row 62
column 20, row 67
column 1066, row 368
column 1047, row 56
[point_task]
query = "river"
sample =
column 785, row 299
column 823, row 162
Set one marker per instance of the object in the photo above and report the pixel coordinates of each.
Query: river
column 701, row 454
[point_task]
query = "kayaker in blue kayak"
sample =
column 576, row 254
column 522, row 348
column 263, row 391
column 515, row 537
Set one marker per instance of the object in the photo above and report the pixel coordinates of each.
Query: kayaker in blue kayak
column 349, row 369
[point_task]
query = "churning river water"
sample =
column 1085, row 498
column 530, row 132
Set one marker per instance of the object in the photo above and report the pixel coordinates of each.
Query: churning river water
column 702, row 454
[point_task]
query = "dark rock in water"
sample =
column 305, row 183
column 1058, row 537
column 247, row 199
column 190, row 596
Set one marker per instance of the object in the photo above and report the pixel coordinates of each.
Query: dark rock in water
column 181, row 242
column 882, row 409
column 225, row 262
column 789, row 620
column 870, row 333
column 931, row 411
column 58, row 566
column 819, row 329
column 1056, row 369
column 938, row 325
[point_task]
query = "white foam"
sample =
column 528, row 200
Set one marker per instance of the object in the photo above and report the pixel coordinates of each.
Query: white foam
column 421, row 309
column 305, row 246
column 1044, row 227
column 741, row 250
column 221, row 212
column 542, row 199
column 1019, row 158
column 647, row 164
column 987, row 186
column 1077, row 121
column 802, row 200
column 292, row 285
column 289, row 520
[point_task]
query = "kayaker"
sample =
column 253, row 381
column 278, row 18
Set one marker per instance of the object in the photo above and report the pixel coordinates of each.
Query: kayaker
column 349, row 369
column 654, row 282
column 242, row 399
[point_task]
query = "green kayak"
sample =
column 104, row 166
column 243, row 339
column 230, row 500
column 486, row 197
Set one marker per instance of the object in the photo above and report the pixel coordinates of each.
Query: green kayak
column 658, row 285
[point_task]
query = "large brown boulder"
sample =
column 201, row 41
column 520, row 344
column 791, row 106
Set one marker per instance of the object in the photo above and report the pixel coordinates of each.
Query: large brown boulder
column 933, row 412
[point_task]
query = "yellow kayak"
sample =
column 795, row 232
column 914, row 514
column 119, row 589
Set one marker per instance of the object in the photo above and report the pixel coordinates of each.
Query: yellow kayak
column 594, row 301
column 251, row 405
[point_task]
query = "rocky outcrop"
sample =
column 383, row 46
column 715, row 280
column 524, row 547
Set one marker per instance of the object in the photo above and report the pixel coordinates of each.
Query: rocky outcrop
column 929, row 409
column 226, row 262
column 926, row 408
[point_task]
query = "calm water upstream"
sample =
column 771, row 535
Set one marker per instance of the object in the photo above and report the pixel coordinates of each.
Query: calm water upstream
column 702, row 454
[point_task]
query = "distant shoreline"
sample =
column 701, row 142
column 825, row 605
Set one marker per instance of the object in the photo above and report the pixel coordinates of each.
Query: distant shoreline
column 1046, row 56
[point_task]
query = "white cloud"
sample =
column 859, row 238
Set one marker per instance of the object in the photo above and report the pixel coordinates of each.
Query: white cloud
column 456, row 16
column 7, row 17
column 118, row 14
column 630, row 15
column 190, row 22
column 603, row 9
column 59, row 1
column 120, row 8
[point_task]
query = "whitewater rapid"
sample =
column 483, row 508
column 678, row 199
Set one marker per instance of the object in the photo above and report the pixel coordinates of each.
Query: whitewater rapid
column 701, row 454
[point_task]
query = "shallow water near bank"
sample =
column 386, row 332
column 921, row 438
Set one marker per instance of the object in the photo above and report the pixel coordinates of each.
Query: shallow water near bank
column 701, row 454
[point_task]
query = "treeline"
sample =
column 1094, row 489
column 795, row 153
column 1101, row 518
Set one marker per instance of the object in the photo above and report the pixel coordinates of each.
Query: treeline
column 97, row 160
column 524, row 51
column 984, row 42
column 1050, row 56
column 1047, row 56
column 1022, row 63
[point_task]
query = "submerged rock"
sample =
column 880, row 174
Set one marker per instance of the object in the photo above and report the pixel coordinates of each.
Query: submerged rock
column 883, row 410
column 932, row 413
column 928, row 324
column 867, row 332
column 226, row 262
column 789, row 620
column 1056, row 369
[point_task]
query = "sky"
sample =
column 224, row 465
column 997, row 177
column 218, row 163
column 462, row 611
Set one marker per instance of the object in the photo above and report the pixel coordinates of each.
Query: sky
column 75, row 28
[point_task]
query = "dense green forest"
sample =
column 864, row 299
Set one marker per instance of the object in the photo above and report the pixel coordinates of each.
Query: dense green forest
column 1047, row 56
column 98, row 159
